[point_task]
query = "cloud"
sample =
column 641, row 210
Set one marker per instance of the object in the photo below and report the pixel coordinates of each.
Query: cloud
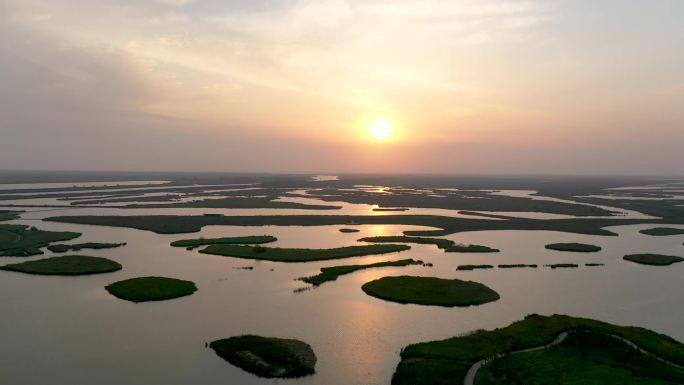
column 126, row 84
column 175, row 3
column 38, row 71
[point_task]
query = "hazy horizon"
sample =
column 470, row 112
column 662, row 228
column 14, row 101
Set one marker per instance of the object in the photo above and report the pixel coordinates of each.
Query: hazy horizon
column 469, row 87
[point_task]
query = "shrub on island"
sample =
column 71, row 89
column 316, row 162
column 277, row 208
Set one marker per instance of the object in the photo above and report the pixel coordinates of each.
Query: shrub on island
column 267, row 356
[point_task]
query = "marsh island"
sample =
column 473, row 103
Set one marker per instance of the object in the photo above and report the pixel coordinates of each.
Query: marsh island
column 576, row 247
column 65, row 265
column 430, row 291
column 456, row 360
column 267, row 356
column 653, row 259
column 299, row 255
column 331, row 273
column 145, row 289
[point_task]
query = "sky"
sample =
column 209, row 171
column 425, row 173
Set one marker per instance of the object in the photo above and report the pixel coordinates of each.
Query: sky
column 502, row 87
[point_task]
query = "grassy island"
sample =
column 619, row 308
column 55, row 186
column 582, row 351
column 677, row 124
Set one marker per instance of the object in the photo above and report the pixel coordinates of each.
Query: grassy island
column 390, row 209
column 300, row 255
column 516, row 265
column 430, row 291
column 584, row 357
column 23, row 252
column 8, row 215
column 248, row 240
column 562, row 265
column 267, row 356
column 653, row 259
column 234, row 203
column 346, row 230
column 447, row 245
column 65, row 265
column 24, row 241
column 175, row 224
column 331, row 273
column 448, row 361
column 145, row 289
column 63, row 248
column 473, row 267
column 662, row 231
column 576, row 247
column 470, row 249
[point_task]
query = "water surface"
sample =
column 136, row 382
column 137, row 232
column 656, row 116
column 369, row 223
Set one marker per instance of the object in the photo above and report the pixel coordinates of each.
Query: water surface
column 70, row 330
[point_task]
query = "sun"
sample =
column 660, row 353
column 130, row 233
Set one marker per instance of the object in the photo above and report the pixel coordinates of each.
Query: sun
column 380, row 129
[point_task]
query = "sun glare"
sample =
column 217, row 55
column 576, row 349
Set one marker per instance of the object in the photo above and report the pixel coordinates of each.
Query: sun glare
column 380, row 129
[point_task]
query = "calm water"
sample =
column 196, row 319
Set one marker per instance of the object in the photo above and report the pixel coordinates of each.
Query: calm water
column 70, row 330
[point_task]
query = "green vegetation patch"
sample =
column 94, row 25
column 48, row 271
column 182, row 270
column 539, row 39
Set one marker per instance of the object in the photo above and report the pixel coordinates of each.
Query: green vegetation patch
column 576, row 247
column 63, row 248
column 653, row 259
column 447, row 361
column 65, row 265
column 516, row 265
column 248, row 240
column 662, row 231
column 562, row 265
column 349, row 230
column 584, row 357
column 470, row 249
column 430, row 291
column 390, row 209
column 267, row 356
column 174, row 224
column 235, row 203
column 300, row 255
column 331, row 273
column 24, row 252
column 24, row 241
column 145, row 289
column 473, row 267
column 444, row 244
column 8, row 215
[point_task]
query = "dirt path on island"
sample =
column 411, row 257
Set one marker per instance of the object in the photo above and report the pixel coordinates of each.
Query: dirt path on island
column 469, row 379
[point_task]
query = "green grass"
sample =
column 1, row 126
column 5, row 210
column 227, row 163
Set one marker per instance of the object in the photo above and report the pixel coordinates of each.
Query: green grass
column 390, row 209
column 267, row 356
column 175, row 224
column 653, row 259
column 662, row 231
column 23, row 252
column 447, row 361
column 8, row 215
column 145, row 289
column 516, row 265
column 65, row 265
column 467, row 200
column 331, row 273
column 444, row 244
column 473, row 267
column 23, row 241
column 248, row 240
column 584, row 357
column 236, row 203
column 430, row 291
column 470, row 249
column 562, row 265
column 62, row 248
column 576, row 247
column 300, row 255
